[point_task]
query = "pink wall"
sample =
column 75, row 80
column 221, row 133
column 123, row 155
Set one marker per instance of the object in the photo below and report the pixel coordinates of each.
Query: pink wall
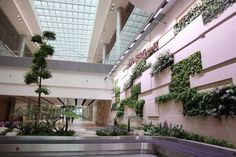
column 217, row 49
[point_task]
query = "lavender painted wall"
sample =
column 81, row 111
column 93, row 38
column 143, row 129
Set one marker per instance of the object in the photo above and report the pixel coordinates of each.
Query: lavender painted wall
column 218, row 50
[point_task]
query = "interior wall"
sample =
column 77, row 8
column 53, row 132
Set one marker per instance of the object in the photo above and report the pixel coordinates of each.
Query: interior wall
column 217, row 49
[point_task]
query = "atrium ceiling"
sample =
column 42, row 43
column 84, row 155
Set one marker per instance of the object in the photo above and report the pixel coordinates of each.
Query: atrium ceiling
column 73, row 23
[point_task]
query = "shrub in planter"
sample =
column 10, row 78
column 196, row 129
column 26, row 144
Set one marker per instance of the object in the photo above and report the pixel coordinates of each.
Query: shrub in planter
column 162, row 62
column 175, row 130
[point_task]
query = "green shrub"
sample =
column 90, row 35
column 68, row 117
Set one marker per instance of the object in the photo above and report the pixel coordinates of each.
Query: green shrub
column 177, row 131
column 119, row 131
column 62, row 132
column 42, row 129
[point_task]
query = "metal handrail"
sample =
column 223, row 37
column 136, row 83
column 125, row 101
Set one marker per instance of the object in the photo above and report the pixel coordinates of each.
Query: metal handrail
column 7, row 49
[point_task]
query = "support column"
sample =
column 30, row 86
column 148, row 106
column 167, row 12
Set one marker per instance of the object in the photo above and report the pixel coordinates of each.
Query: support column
column 21, row 46
column 104, row 53
column 118, row 27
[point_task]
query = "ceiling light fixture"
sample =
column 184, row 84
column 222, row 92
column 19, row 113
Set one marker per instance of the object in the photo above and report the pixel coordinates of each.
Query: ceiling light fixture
column 132, row 45
column 126, row 51
column 159, row 11
column 118, row 62
column 138, row 36
column 122, row 57
column 146, row 26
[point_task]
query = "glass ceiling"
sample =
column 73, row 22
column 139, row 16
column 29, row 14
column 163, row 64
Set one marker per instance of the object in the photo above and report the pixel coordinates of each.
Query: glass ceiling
column 72, row 21
column 132, row 27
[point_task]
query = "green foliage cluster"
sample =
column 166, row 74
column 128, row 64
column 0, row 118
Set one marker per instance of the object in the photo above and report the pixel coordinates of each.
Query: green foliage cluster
column 220, row 101
column 137, row 71
column 43, row 129
column 132, row 102
column 119, row 130
column 162, row 62
column 214, row 8
column 182, row 70
column 38, row 70
column 177, row 131
column 210, row 9
column 193, row 13
column 116, row 91
column 180, row 77
column 50, row 115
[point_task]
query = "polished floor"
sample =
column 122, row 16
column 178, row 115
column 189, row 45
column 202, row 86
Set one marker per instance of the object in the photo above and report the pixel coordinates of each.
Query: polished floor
column 84, row 127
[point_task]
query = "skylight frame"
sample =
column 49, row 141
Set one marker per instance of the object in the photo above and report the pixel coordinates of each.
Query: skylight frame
column 71, row 20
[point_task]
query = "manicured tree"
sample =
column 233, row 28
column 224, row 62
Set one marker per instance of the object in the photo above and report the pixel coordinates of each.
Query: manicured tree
column 38, row 71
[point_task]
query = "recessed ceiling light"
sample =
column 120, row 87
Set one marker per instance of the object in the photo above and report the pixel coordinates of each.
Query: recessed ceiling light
column 158, row 12
column 146, row 26
column 131, row 45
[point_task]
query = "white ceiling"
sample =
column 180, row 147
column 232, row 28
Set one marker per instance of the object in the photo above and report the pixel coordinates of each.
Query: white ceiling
column 18, row 8
column 104, row 18
column 147, row 5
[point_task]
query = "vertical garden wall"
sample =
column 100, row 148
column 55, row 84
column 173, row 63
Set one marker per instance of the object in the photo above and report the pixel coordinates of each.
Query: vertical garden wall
column 186, row 81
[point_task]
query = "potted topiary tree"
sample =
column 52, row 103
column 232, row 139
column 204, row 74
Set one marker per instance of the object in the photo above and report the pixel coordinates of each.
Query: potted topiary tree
column 38, row 70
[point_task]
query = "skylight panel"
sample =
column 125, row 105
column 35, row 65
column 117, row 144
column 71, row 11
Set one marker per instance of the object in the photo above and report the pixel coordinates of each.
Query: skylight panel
column 71, row 20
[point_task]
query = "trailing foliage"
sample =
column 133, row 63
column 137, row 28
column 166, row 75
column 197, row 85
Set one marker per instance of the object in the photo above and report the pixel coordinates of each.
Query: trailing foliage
column 180, row 77
column 182, row 70
column 210, row 9
column 193, row 13
column 177, row 131
column 214, row 8
column 220, row 101
column 116, row 91
column 137, row 71
column 132, row 102
column 145, row 54
column 162, row 62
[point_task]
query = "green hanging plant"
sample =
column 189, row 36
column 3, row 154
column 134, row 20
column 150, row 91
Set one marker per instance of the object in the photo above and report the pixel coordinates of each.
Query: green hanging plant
column 209, row 9
column 137, row 71
column 162, row 62
column 218, row 102
column 132, row 102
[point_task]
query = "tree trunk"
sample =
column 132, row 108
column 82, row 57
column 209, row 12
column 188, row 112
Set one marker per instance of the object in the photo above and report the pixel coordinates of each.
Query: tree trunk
column 39, row 102
column 67, row 119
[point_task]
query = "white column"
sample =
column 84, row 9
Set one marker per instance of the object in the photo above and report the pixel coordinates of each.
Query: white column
column 104, row 53
column 21, row 46
column 118, row 27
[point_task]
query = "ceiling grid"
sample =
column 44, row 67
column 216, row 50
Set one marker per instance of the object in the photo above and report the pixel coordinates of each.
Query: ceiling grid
column 72, row 21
